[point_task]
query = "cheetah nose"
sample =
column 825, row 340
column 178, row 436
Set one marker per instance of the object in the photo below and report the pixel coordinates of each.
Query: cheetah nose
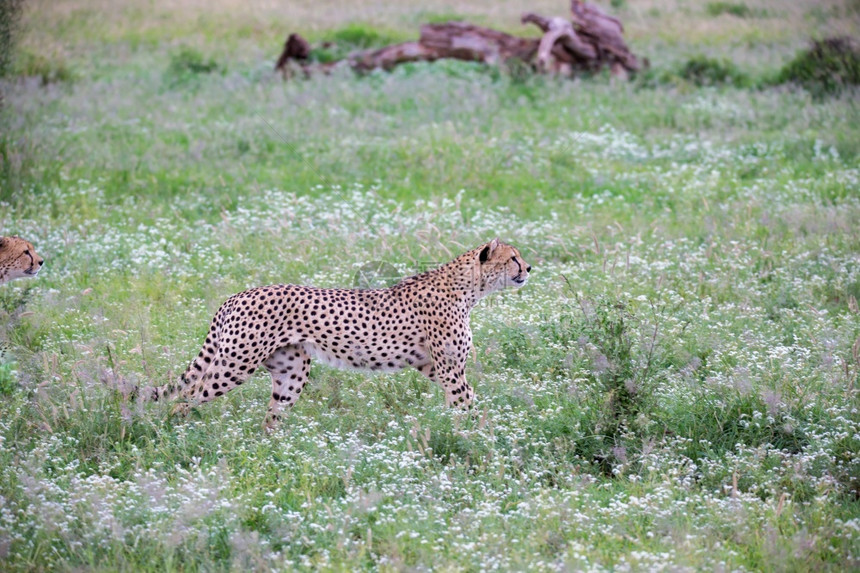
column 529, row 269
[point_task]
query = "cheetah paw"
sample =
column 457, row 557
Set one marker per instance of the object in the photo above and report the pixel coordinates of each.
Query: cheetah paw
column 271, row 424
column 181, row 409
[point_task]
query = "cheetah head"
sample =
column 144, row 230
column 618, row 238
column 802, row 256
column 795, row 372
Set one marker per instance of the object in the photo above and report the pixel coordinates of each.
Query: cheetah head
column 18, row 259
column 501, row 266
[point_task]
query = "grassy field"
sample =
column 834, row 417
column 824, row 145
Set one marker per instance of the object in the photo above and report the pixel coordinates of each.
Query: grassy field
column 675, row 389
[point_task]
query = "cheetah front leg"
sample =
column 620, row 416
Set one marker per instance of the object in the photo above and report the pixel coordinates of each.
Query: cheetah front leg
column 448, row 369
column 289, row 367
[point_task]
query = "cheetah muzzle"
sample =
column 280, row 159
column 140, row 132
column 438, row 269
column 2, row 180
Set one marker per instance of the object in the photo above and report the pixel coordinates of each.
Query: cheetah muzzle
column 422, row 322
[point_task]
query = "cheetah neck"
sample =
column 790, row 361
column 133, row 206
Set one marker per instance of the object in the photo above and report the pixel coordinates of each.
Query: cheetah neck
column 461, row 277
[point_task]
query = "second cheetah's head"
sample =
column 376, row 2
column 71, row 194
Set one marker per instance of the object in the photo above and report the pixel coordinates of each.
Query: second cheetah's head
column 501, row 266
column 18, row 259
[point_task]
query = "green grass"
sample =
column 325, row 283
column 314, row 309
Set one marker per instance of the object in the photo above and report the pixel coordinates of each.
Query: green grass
column 736, row 9
column 676, row 387
column 704, row 71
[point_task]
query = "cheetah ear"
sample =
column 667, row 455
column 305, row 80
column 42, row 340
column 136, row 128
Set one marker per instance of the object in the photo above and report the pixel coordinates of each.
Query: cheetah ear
column 487, row 252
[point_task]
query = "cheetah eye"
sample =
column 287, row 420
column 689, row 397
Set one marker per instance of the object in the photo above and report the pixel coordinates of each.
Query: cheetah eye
column 514, row 259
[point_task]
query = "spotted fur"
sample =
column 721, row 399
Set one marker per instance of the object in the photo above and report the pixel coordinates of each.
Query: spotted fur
column 421, row 322
column 18, row 259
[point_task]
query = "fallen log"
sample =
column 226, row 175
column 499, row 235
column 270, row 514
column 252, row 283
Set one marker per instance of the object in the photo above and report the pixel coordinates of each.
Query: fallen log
column 457, row 40
column 389, row 56
column 591, row 40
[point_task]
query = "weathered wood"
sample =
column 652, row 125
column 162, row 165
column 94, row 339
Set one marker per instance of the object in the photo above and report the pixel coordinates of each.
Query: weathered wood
column 561, row 41
column 456, row 40
column 591, row 40
column 472, row 43
column 389, row 56
column 605, row 33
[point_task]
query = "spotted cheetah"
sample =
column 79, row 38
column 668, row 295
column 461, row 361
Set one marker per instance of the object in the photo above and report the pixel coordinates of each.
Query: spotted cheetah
column 422, row 322
column 18, row 259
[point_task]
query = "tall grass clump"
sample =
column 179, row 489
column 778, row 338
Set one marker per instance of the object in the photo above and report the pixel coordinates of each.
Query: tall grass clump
column 10, row 20
column 611, row 341
column 610, row 335
column 625, row 376
column 49, row 70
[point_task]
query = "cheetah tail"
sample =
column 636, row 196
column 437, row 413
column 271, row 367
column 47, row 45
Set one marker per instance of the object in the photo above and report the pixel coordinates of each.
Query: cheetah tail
column 195, row 371
column 186, row 380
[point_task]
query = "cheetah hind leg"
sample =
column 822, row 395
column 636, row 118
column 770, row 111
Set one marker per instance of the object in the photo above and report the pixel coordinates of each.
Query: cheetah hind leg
column 459, row 395
column 289, row 367
column 183, row 391
column 221, row 377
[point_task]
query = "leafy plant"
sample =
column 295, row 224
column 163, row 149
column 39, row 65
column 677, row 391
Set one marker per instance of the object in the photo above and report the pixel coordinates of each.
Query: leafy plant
column 705, row 71
column 828, row 67
column 338, row 44
column 188, row 63
column 8, row 377
column 734, row 8
column 362, row 36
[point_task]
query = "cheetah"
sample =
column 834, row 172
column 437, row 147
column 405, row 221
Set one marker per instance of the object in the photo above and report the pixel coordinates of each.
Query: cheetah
column 422, row 322
column 18, row 259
